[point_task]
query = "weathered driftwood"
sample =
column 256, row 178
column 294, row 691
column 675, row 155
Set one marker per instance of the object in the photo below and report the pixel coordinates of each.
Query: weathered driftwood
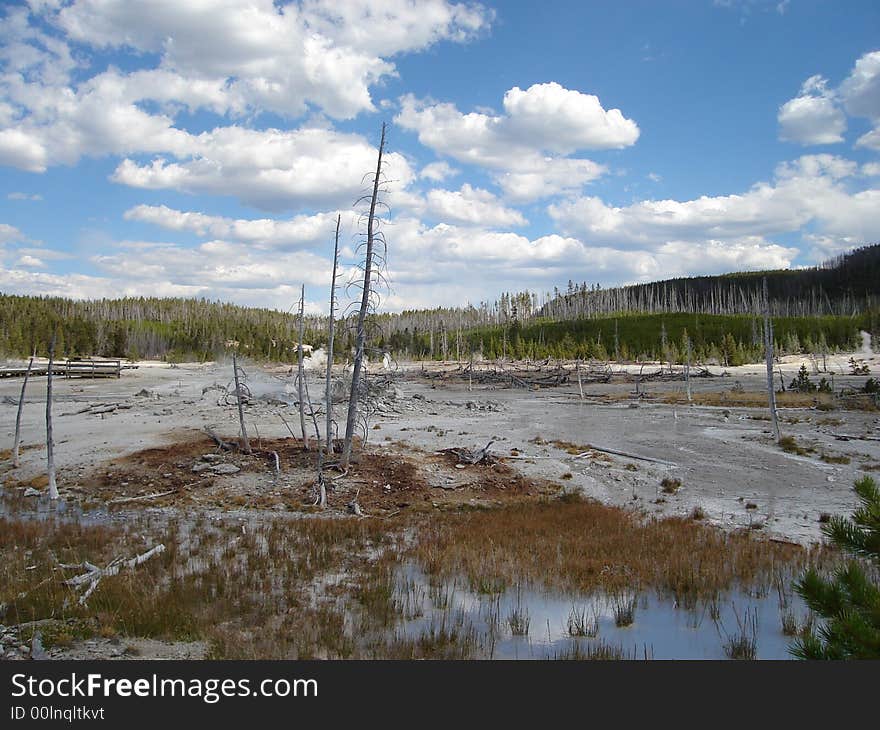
column 354, row 507
column 224, row 445
column 625, row 454
column 853, row 437
column 466, row 456
column 142, row 497
column 97, row 409
column 93, row 574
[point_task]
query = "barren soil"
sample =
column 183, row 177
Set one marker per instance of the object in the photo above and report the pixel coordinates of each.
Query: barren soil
column 724, row 456
column 139, row 443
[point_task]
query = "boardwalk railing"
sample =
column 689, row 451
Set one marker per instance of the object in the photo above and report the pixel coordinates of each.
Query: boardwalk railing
column 90, row 368
column 85, row 367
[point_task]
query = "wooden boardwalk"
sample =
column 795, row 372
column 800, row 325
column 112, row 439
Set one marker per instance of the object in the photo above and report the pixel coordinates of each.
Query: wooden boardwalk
column 84, row 367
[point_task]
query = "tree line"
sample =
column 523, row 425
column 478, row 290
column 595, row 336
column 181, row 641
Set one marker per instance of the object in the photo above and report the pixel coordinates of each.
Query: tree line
column 814, row 309
column 151, row 328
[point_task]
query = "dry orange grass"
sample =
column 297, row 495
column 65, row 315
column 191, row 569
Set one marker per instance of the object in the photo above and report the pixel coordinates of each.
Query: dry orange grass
column 573, row 545
column 752, row 399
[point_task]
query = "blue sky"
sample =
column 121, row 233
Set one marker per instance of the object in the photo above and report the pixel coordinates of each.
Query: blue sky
column 204, row 147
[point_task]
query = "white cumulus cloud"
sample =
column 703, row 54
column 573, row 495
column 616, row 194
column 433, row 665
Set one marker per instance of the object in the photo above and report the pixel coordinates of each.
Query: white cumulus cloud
column 813, row 117
column 525, row 147
column 472, row 205
column 302, row 231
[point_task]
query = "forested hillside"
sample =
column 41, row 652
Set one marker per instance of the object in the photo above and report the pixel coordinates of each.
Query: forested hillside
column 148, row 328
column 725, row 339
column 818, row 309
column 846, row 285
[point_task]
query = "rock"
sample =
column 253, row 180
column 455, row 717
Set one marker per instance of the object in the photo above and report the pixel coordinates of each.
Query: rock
column 38, row 653
column 31, row 492
column 225, row 469
column 200, row 467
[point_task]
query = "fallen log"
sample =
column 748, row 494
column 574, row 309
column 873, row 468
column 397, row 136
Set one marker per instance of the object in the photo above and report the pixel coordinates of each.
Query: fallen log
column 853, row 437
column 466, row 456
column 224, row 445
column 156, row 495
column 625, row 454
column 93, row 573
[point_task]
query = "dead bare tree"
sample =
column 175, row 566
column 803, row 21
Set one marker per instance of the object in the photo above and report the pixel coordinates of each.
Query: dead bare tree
column 299, row 368
column 687, row 369
column 580, row 382
column 360, row 337
column 319, row 483
column 768, row 352
column 330, row 327
column 239, row 397
column 16, row 462
column 50, row 445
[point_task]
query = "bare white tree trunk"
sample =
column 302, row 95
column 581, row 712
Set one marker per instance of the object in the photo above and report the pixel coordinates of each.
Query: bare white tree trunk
column 239, row 397
column 577, row 367
column 768, row 352
column 16, row 462
column 50, row 453
column 328, row 385
column 299, row 369
column 360, row 341
column 687, row 370
column 92, row 576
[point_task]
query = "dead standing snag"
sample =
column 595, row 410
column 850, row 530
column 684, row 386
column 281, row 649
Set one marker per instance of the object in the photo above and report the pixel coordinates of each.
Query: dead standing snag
column 50, row 445
column 330, row 328
column 16, row 462
column 768, row 353
column 239, row 397
column 360, row 337
column 299, row 369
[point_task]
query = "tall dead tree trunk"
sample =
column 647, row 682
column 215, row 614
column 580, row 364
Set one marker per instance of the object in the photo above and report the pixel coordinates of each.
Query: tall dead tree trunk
column 687, row 370
column 768, row 353
column 299, row 368
column 330, row 327
column 16, row 462
column 360, row 341
column 50, row 444
column 577, row 367
column 239, row 398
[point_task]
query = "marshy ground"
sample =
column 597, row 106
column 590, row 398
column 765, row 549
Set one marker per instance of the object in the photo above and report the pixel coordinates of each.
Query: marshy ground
column 556, row 548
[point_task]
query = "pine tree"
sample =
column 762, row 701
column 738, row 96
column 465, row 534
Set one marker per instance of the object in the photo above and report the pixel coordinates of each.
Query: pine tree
column 849, row 602
column 802, row 382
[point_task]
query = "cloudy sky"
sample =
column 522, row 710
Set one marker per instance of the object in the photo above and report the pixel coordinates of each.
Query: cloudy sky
column 204, row 147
